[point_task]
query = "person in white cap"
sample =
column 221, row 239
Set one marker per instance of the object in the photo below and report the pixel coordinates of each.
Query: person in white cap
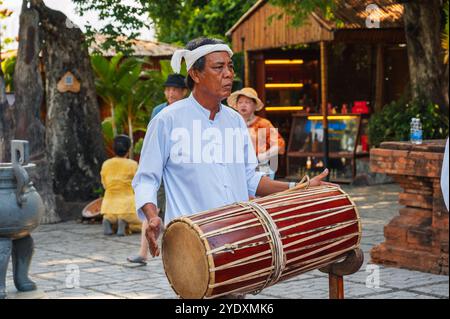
column 179, row 139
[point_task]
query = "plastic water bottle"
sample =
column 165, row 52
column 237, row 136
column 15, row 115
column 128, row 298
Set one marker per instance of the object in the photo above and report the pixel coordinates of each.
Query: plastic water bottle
column 419, row 132
column 412, row 130
column 416, row 131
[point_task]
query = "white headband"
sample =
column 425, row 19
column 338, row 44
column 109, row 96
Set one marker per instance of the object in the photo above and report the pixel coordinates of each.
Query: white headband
column 192, row 56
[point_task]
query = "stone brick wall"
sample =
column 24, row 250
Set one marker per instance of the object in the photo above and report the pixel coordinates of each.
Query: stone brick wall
column 418, row 237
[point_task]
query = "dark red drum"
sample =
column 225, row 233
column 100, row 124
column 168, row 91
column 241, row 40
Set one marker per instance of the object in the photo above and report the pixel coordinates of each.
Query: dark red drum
column 246, row 247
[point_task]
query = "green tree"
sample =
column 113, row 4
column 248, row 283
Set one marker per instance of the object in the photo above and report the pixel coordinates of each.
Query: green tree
column 392, row 123
column 299, row 10
column 121, row 19
column 7, row 67
column 129, row 90
column 106, row 82
column 182, row 21
column 175, row 21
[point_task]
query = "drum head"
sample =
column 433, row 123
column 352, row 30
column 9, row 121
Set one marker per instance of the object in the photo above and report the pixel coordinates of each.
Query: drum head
column 185, row 260
column 93, row 209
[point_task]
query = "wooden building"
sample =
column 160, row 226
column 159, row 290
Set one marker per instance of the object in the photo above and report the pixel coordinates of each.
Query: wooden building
column 323, row 64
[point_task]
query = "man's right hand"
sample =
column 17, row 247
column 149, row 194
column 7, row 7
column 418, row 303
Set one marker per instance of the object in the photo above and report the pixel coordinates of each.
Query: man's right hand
column 152, row 233
column 153, row 229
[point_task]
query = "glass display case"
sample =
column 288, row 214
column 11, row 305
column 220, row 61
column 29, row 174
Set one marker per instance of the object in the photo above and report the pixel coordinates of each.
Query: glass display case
column 305, row 148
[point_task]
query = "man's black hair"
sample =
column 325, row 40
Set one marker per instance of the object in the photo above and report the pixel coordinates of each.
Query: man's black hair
column 122, row 144
column 200, row 63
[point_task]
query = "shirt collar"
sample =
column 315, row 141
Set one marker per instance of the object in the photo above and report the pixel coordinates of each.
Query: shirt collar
column 204, row 110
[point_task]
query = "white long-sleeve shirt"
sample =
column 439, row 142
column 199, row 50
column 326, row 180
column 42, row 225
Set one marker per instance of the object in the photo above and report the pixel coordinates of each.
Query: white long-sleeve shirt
column 205, row 163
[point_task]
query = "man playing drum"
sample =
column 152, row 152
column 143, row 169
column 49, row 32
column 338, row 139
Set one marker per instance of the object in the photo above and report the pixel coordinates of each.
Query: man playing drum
column 179, row 140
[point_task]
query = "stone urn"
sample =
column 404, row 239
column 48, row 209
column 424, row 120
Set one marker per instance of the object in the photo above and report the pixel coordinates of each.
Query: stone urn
column 21, row 209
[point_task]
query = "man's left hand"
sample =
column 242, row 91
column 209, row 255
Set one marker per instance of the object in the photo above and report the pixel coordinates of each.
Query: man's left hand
column 317, row 180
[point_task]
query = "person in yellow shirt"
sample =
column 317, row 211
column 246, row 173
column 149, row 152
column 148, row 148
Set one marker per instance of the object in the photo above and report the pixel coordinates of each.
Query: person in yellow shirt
column 118, row 207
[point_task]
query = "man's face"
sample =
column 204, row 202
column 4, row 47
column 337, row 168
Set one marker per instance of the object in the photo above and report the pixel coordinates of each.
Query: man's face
column 216, row 79
column 174, row 94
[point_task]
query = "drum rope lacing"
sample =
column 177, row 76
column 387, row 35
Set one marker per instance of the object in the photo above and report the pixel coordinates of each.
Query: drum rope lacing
column 278, row 255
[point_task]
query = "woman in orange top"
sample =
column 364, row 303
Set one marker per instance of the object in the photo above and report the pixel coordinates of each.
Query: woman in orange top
column 268, row 143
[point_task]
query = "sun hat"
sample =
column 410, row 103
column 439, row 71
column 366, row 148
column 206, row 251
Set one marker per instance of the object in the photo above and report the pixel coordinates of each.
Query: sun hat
column 248, row 92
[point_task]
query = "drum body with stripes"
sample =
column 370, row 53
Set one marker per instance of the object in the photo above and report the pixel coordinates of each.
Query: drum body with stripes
column 246, row 247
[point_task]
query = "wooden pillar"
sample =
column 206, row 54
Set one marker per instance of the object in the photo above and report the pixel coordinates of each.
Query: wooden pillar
column 245, row 79
column 379, row 78
column 260, row 76
column 324, row 98
column 336, row 286
column 246, row 69
column 336, row 272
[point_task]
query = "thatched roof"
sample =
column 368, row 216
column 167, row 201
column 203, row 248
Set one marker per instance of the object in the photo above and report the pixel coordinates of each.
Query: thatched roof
column 352, row 14
column 140, row 48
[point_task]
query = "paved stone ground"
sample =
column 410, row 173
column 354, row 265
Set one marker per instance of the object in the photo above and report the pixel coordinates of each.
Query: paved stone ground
column 67, row 251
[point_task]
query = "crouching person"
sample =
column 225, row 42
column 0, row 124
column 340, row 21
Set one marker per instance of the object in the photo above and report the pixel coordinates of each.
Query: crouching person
column 118, row 207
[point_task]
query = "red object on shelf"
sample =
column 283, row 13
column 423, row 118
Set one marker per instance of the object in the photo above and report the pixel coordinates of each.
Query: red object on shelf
column 360, row 107
column 329, row 108
column 344, row 109
column 364, row 143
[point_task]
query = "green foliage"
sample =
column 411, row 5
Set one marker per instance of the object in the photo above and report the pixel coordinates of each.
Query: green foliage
column 299, row 10
column 108, row 134
column 99, row 192
column 181, row 21
column 8, row 66
column 392, row 123
column 129, row 90
column 120, row 19
column 166, row 69
column 175, row 21
column 138, row 146
column 107, row 129
column 238, row 62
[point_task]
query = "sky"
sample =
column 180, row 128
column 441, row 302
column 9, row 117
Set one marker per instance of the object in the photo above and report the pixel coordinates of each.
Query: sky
column 65, row 6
